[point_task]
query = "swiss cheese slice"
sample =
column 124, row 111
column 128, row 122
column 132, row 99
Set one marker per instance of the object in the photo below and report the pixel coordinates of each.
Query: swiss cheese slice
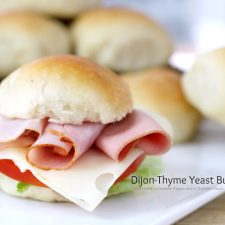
column 86, row 183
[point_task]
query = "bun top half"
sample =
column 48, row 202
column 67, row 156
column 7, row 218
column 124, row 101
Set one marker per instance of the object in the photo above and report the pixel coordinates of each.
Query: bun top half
column 66, row 89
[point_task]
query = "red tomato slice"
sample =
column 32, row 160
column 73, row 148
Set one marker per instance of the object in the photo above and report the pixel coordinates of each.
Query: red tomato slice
column 8, row 168
column 131, row 169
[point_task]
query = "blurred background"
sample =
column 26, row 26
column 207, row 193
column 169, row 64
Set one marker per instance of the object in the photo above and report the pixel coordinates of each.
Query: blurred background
column 192, row 24
column 195, row 26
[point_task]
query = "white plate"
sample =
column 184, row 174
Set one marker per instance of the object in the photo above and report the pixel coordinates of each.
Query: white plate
column 203, row 157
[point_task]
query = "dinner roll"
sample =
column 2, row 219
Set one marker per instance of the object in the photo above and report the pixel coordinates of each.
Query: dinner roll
column 58, row 8
column 121, row 39
column 204, row 84
column 25, row 36
column 66, row 89
column 159, row 90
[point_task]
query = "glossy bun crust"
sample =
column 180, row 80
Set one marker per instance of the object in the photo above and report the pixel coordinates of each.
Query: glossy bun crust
column 67, row 89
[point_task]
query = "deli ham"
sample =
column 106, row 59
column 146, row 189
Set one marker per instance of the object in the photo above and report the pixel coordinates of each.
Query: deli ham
column 23, row 141
column 61, row 145
column 49, row 152
column 58, row 146
column 11, row 129
column 137, row 129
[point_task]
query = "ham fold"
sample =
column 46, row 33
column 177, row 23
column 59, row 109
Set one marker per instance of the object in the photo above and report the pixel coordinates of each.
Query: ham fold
column 137, row 129
column 60, row 145
column 11, row 129
column 23, row 141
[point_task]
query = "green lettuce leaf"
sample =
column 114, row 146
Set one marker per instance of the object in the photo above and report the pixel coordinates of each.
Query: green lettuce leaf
column 151, row 167
column 22, row 187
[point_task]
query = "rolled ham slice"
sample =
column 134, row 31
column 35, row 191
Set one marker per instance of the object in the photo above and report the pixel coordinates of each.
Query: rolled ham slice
column 13, row 129
column 58, row 146
column 137, row 129
column 61, row 145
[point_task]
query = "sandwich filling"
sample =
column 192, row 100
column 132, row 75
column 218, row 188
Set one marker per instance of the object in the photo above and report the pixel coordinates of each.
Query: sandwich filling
column 80, row 162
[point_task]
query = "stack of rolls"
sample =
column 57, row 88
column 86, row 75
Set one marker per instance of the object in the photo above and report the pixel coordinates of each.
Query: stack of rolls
column 118, row 38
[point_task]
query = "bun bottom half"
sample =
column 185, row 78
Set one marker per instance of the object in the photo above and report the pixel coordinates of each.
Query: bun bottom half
column 9, row 186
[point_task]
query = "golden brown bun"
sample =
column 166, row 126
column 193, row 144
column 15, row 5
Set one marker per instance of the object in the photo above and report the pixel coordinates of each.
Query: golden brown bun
column 58, row 8
column 121, row 39
column 25, row 37
column 204, row 84
column 159, row 90
column 66, row 88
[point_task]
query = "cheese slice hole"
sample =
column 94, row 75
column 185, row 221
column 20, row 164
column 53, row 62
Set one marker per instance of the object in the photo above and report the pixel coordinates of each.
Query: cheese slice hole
column 104, row 181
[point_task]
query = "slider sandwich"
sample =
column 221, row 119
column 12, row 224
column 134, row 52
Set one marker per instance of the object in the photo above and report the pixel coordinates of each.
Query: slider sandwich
column 68, row 130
